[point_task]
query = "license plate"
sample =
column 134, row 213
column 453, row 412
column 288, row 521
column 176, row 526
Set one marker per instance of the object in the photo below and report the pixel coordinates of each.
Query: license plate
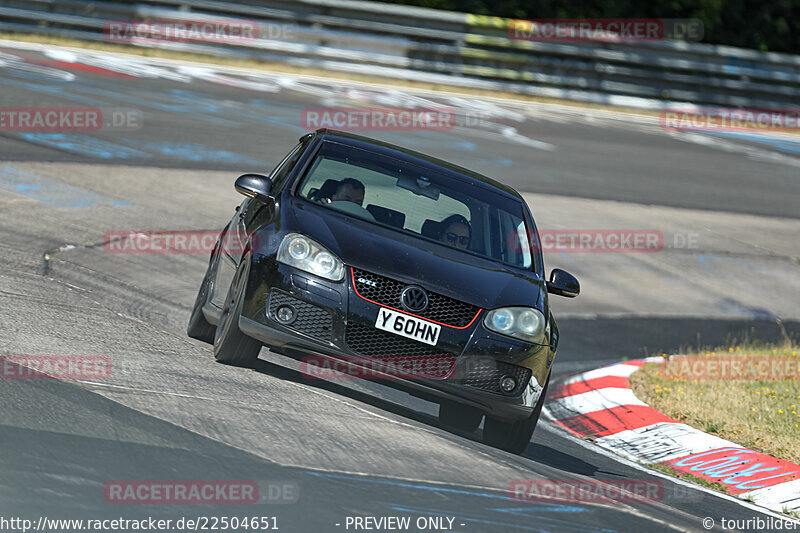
column 408, row 326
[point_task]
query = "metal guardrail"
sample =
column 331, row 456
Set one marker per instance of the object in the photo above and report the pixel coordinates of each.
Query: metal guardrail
column 448, row 47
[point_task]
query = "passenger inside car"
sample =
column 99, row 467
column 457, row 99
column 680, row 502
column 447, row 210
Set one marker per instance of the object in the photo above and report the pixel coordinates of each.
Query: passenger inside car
column 455, row 231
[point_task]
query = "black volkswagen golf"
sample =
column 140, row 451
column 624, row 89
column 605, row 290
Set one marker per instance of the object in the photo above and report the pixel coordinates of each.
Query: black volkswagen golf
column 360, row 256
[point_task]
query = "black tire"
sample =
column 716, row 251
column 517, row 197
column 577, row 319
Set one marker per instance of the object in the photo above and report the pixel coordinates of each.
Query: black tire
column 461, row 417
column 199, row 328
column 231, row 346
column 513, row 437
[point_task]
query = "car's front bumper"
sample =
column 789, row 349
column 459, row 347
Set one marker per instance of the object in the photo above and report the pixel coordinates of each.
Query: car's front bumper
column 472, row 347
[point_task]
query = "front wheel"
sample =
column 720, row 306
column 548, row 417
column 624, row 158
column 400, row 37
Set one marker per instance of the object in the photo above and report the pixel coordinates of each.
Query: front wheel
column 513, row 436
column 231, row 346
column 199, row 328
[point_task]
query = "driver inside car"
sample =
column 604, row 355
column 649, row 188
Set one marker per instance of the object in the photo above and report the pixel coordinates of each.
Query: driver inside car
column 349, row 197
column 349, row 190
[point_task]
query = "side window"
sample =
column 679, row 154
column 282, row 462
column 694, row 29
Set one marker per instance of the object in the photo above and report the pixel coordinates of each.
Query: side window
column 519, row 244
column 285, row 167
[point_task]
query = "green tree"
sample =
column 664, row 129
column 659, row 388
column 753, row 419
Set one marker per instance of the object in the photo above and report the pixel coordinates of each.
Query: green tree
column 772, row 25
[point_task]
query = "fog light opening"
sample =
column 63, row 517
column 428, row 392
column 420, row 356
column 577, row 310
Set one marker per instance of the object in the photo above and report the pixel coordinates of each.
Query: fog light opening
column 507, row 384
column 285, row 314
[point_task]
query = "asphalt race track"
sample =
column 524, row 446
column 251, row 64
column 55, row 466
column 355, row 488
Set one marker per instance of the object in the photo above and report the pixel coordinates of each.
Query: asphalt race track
column 727, row 207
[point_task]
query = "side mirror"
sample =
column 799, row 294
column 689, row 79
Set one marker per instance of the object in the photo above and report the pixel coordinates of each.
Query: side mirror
column 255, row 186
column 562, row 283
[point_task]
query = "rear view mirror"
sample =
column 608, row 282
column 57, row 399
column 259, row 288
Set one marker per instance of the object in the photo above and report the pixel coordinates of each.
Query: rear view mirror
column 562, row 283
column 421, row 186
column 255, row 186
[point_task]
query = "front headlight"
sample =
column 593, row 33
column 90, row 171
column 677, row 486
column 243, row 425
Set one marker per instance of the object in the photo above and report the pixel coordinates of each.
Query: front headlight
column 524, row 323
column 301, row 252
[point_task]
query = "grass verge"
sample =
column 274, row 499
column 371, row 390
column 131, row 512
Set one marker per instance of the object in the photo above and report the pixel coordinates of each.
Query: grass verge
column 690, row 477
column 758, row 411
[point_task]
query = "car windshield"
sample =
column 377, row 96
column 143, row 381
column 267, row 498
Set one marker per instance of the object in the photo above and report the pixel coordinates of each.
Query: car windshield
column 418, row 201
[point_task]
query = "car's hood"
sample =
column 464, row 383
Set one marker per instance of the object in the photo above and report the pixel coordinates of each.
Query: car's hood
column 410, row 259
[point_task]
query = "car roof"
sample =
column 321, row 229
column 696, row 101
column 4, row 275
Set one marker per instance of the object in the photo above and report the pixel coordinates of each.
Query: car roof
column 424, row 160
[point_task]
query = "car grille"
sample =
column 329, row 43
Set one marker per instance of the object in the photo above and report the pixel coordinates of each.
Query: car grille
column 367, row 340
column 312, row 320
column 485, row 372
column 386, row 291
column 377, row 344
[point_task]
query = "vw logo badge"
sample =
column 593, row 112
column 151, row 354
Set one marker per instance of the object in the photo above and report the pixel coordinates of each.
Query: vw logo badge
column 414, row 298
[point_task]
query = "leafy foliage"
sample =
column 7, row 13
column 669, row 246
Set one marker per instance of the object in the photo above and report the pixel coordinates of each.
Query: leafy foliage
column 773, row 25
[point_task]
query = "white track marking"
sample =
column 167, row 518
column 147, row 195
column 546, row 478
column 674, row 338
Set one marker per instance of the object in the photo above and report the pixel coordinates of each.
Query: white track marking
column 595, row 400
column 643, row 468
column 621, row 370
column 661, row 442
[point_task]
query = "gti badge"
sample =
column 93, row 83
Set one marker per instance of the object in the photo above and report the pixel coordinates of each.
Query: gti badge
column 367, row 282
